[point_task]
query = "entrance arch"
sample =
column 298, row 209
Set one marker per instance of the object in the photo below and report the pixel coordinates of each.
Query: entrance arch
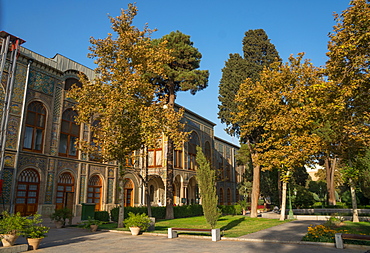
column 28, row 187
column 65, row 191
column 94, row 191
column 129, row 192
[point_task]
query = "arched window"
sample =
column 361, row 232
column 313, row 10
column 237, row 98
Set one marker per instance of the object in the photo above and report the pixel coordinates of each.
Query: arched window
column 65, row 191
column 192, row 150
column 221, row 196
column 69, row 82
column 155, row 155
column 28, row 186
column 228, row 196
column 94, row 191
column 35, row 127
column 129, row 192
column 70, row 131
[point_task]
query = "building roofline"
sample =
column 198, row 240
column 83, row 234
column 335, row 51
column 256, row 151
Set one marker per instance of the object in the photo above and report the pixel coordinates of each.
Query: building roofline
column 196, row 115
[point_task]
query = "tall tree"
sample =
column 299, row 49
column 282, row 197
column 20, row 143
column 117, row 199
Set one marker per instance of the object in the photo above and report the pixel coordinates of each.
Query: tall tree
column 119, row 105
column 181, row 74
column 206, row 178
column 259, row 52
column 348, row 68
column 281, row 104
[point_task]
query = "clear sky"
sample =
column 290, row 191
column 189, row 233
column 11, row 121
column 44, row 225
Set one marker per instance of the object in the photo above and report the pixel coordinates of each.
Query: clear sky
column 216, row 27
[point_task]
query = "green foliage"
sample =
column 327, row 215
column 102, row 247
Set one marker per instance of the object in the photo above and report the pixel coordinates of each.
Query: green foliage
column 137, row 220
column 244, row 204
column 89, row 222
column 303, row 199
column 62, row 215
column 12, row 223
column 228, row 209
column 258, row 52
column 101, row 215
column 33, row 227
column 206, row 178
column 188, row 211
column 159, row 212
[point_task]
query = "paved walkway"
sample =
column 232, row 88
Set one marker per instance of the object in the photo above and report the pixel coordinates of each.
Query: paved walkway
column 79, row 240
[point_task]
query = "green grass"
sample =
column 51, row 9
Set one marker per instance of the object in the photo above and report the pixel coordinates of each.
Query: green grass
column 356, row 227
column 230, row 226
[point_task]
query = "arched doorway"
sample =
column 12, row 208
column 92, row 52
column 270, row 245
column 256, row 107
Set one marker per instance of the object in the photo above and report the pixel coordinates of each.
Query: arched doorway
column 28, row 186
column 94, row 191
column 65, row 191
column 129, row 192
column 193, row 193
column 228, row 196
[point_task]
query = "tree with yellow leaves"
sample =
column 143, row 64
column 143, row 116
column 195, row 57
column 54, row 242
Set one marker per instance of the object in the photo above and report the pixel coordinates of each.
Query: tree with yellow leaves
column 120, row 105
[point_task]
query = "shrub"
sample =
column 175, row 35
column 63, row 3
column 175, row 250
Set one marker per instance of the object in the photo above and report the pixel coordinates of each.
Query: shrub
column 137, row 220
column 101, row 215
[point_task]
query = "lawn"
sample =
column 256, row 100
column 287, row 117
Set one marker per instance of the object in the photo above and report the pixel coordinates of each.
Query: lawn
column 230, row 226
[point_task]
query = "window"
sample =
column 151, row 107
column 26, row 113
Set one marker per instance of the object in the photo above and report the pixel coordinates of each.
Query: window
column 94, row 191
column 35, row 127
column 207, row 151
column 155, row 157
column 129, row 193
column 65, row 190
column 221, row 196
column 68, row 135
column 27, row 192
column 177, row 159
column 69, row 82
column 228, row 196
column 192, row 150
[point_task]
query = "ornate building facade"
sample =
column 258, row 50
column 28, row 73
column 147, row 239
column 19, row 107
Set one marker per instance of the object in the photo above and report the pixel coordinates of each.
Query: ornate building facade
column 41, row 168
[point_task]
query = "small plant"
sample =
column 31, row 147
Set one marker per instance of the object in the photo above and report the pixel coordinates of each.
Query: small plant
column 12, row 224
column 34, row 228
column 334, row 221
column 62, row 215
column 137, row 220
column 89, row 222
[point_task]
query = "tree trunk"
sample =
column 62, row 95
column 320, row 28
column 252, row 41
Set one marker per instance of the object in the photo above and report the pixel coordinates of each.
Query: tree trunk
column 330, row 164
column 169, row 169
column 283, row 202
column 255, row 189
column 354, row 201
column 122, row 205
column 279, row 187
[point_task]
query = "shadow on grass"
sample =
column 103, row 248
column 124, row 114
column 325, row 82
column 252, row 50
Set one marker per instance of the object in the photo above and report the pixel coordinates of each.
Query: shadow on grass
column 232, row 224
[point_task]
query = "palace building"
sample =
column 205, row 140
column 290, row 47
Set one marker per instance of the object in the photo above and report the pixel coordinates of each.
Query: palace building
column 41, row 169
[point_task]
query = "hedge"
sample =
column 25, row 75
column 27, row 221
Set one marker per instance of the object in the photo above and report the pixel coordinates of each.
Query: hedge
column 159, row 212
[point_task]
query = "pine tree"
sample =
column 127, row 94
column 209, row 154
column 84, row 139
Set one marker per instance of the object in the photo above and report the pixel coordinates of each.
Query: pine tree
column 206, row 178
column 259, row 52
column 181, row 74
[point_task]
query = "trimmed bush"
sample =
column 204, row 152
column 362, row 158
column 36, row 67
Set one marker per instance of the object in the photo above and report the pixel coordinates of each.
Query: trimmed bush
column 101, row 215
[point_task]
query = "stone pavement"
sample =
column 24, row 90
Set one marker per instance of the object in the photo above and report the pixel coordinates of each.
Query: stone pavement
column 277, row 239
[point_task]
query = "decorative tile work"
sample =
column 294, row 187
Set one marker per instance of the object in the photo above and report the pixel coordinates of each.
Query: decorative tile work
column 83, row 169
column 16, row 109
column 7, row 185
column 67, row 165
column 12, row 134
column 110, row 190
column 110, row 172
column 19, row 82
column 40, row 82
column 68, row 104
column 97, row 169
column 82, row 189
column 56, row 120
column 49, row 188
column 51, row 165
column 9, row 160
column 39, row 162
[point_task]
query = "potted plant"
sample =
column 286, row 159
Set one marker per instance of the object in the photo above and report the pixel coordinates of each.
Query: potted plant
column 11, row 227
column 60, row 216
column 35, row 231
column 137, row 222
column 91, row 224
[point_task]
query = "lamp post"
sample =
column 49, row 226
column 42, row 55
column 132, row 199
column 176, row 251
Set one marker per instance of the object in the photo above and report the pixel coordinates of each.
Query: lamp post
column 290, row 216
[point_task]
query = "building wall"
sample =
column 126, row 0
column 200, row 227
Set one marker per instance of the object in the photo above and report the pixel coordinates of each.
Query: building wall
column 78, row 180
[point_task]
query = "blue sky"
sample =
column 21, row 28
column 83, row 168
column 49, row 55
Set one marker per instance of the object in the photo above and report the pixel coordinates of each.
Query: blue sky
column 216, row 28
